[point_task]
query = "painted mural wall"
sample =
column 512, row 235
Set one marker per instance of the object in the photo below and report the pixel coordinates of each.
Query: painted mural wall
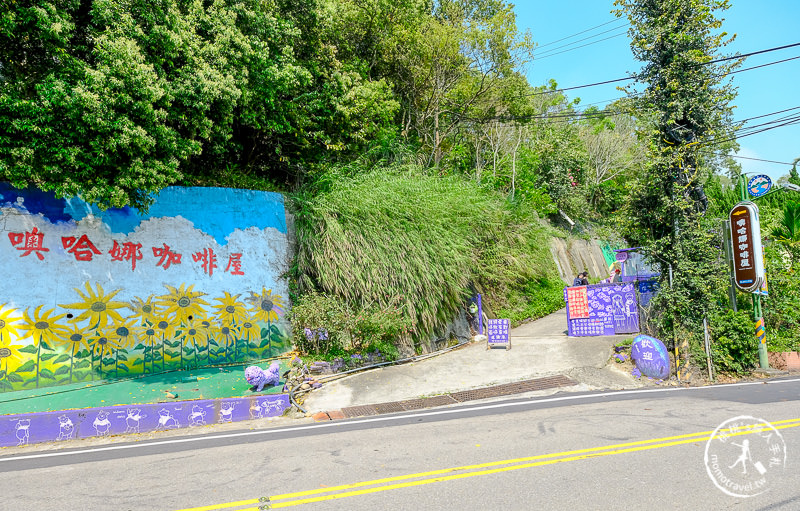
column 90, row 294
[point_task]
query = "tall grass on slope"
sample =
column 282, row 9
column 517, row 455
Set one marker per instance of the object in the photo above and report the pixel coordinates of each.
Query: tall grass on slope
column 381, row 235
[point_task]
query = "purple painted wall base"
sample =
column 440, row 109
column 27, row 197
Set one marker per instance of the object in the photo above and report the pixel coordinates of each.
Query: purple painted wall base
column 32, row 428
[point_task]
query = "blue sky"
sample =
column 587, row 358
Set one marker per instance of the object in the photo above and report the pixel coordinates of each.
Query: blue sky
column 759, row 24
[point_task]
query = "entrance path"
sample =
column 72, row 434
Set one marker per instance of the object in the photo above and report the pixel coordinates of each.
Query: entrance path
column 538, row 349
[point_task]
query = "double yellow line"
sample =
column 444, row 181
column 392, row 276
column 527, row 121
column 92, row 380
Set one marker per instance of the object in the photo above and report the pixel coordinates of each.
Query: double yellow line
column 462, row 472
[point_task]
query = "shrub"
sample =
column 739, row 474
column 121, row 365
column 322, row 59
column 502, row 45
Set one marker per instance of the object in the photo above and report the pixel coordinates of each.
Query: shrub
column 734, row 346
column 536, row 299
column 324, row 325
column 378, row 327
column 319, row 324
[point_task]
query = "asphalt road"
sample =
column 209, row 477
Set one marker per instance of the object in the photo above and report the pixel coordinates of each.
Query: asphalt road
column 639, row 449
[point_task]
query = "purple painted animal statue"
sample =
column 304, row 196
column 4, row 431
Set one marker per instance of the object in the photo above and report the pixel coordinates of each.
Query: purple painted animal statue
column 260, row 378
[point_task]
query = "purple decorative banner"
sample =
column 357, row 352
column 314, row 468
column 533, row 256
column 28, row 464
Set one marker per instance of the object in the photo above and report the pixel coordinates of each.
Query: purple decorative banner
column 613, row 309
column 32, row 428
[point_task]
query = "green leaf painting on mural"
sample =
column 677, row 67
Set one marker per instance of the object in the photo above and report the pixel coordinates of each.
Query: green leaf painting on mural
column 27, row 367
column 14, row 378
column 96, row 346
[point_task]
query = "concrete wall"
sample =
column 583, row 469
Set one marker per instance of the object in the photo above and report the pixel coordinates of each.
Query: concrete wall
column 104, row 294
column 574, row 255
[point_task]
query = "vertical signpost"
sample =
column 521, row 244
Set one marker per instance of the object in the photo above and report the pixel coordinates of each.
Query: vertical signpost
column 748, row 258
column 748, row 254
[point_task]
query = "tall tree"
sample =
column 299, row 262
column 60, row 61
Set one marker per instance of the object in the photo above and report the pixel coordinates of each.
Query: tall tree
column 687, row 96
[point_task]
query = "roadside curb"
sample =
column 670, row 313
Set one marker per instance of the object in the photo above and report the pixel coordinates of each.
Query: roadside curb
column 451, row 398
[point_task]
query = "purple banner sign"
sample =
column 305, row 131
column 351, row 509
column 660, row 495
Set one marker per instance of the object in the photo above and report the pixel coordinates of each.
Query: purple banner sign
column 31, row 428
column 613, row 309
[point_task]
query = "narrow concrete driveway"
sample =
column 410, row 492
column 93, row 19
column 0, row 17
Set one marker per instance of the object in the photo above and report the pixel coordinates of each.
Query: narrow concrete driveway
column 539, row 348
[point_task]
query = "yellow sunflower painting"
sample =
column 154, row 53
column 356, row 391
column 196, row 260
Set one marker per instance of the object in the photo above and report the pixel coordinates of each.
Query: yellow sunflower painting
column 7, row 353
column 230, row 311
column 102, row 344
column 164, row 328
column 265, row 306
column 41, row 327
column 74, row 338
column 98, row 307
column 125, row 332
column 146, row 311
column 44, row 330
column 249, row 329
column 197, row 332
column 224, row 333
column 184, row 303
column 9, row 324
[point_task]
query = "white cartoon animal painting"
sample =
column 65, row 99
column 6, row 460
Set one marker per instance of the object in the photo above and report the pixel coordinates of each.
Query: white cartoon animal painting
column 102, row 424
column 132, row 420
column 272, row 405
column 197, row 417
column 21, row 431
column 166, row 420
column 66, row 429
column 226, row 412
column 255, row 409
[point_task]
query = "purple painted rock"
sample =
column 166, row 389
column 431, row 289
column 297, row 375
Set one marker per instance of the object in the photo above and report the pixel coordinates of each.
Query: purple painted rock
column 650, row 356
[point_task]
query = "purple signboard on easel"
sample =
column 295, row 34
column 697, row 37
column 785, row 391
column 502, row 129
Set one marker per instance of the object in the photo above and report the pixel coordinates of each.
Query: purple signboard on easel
column 497, row 333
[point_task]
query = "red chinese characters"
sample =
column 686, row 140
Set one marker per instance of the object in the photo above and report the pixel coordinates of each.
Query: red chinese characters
column 33, row 242
column 235, row 264
column 128, row 251
column 208, row 258
column 578, row 302
column 167, row 256
column 82, row 248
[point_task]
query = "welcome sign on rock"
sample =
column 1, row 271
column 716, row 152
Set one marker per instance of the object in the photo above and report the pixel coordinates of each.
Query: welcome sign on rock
column 104, row 294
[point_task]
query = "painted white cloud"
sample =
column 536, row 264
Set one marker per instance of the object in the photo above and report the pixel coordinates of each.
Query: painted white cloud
column 31, row 282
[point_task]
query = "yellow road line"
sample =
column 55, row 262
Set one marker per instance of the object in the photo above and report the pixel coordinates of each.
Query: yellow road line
column 516, row 464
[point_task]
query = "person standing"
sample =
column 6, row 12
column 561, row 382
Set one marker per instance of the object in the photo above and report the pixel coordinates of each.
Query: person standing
column 581, row 279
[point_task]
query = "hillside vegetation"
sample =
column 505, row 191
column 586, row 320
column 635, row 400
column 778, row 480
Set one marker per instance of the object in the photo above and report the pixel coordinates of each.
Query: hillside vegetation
column 421, row 164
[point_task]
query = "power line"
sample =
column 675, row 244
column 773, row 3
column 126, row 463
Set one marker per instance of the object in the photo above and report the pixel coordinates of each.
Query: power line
column 745, row 158
column 581, row 46
column 761, row 65
column 606, row 82
column 723, row 59
column 736, row 136
column 578, row 33
column 582, row 39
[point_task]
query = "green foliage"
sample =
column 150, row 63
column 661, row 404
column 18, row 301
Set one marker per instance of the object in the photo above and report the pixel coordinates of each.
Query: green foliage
column 536, row 299
column 324, row 324
column 116, row 101
column 369, row 237
column 734, row 347
column 376, row 326
column 782, row 307
column 685, row 104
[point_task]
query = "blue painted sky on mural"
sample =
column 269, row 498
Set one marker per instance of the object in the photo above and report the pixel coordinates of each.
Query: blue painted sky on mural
column 758, row 25
column 209, row 211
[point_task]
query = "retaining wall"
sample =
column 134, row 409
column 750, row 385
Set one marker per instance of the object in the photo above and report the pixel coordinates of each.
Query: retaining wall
column 93, row 294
